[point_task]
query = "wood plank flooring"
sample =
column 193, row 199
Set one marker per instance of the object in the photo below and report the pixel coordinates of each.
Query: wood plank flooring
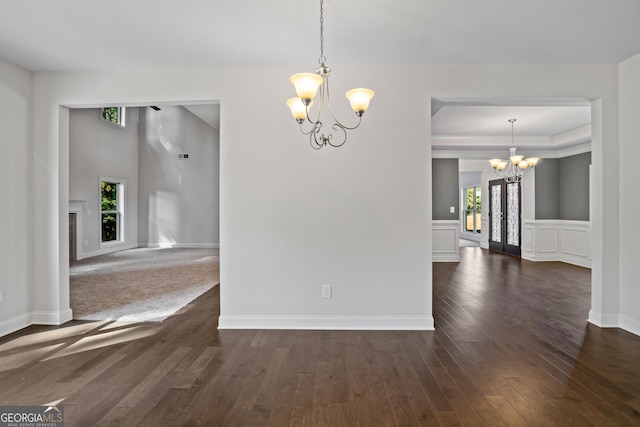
column 511, row 348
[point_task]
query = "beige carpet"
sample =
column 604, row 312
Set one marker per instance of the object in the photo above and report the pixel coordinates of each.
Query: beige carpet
column 141, row 285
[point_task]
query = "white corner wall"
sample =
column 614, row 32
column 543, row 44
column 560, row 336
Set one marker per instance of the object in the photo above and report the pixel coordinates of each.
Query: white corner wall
column 16, row 148
column 630, row 203
column 293, row 219
column 178, row 198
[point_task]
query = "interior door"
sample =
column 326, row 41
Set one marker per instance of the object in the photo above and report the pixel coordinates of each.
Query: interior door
column 504, row 217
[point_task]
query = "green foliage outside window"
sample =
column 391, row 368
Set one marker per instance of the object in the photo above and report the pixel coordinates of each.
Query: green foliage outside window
column 470, row 199
column 109, row 207
column 111, row 114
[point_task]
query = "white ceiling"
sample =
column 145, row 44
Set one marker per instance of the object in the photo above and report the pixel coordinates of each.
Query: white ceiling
column 122, row 34
column 543, row 125
column 119, row 34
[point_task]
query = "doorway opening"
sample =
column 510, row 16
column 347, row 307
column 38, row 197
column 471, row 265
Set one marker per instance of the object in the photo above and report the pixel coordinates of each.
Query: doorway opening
column 170, row 207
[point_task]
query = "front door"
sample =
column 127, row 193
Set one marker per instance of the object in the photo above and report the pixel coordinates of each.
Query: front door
column 504, row 217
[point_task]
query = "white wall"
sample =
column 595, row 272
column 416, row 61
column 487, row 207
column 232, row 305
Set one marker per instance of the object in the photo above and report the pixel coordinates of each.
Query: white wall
column 98, row 149
column 292, row 219
column 179, row 198
column 630, row 202
column 15, row 174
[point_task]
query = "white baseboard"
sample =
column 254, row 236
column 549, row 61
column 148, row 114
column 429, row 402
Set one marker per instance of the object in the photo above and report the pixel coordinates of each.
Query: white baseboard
column 51, row 317
column 604, row 320
column 118, row 248
column 181, row 245
column 416, row 323
column 445, row 257
column 15, row 324
column 630, row 325
column 107, row 250
column 35, row 318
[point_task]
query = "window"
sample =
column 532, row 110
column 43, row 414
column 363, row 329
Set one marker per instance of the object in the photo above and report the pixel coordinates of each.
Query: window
column 472, row 199
column 111, row 212
column 113, row 115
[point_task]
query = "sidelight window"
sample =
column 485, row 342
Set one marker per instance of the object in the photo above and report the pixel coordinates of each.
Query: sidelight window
column 472, row 209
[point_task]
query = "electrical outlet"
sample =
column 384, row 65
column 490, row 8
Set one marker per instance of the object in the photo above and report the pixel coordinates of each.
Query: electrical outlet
column 452, row 209
column 326, row 291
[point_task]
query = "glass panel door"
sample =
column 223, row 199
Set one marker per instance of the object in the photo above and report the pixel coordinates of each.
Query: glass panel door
column 496, row 213
column 504, row 217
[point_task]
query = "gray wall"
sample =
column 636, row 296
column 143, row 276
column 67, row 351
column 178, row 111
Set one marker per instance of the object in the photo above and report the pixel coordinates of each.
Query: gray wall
column 97, row 149
column 562, row 188
column 446, row 191
column 574, row 187
column 178, row 198
column 547, row 189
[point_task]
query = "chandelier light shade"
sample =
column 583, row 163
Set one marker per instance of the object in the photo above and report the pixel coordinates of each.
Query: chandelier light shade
column 359, row 99
column 517, row 166
column 298, row 109
column 308, row 85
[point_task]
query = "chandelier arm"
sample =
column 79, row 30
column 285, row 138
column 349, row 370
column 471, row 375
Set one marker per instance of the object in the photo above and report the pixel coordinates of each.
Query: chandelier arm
column 314, row 138
column 336, row 126
column 320, row 109
column 315, row 125
column 337, row 122
column 314, row 142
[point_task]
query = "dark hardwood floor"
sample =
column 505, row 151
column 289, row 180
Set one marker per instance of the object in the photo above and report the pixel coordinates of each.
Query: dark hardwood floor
column 512, row 347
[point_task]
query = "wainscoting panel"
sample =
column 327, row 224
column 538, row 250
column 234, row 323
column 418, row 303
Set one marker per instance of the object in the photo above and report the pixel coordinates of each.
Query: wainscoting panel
column 575, row 242
column 446, row 241
column 558, row 240
column 547, row 240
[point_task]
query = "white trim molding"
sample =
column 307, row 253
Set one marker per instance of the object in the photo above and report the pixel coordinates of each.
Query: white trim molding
column 630, row 325
column 15, row 324
column 400, row 323
column 35, row 318
column 51, row 317
column 77, row 207
column 180, row 245
column 557, row 240
column 604, row 320
column 446, row 241
column 107, row 249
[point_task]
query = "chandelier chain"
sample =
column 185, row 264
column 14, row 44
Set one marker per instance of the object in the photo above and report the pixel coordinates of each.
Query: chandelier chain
column 322, row 58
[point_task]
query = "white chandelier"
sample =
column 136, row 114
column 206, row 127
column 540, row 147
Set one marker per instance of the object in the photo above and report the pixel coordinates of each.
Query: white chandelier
column 307, row 85
column 515, row 168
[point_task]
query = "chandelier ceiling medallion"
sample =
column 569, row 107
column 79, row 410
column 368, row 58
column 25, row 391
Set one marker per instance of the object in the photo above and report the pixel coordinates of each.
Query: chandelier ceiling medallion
column 515, row 168
column 307, row 86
